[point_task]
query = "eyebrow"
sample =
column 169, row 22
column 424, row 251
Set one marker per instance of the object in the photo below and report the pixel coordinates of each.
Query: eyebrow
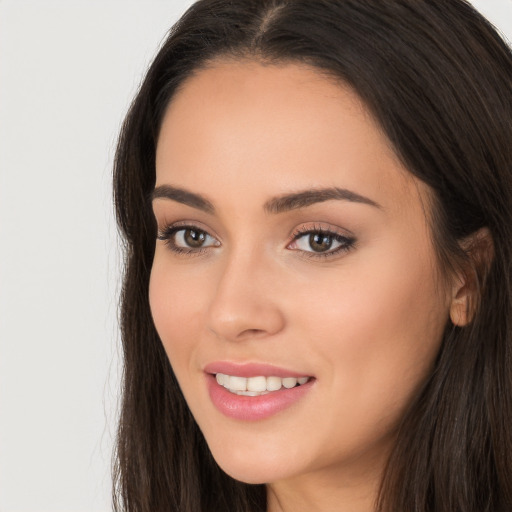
column 182, row 196
column 275, row 205
column 308, row 197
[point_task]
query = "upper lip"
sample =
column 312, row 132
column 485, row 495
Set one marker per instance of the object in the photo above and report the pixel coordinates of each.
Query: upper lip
column 251, row 370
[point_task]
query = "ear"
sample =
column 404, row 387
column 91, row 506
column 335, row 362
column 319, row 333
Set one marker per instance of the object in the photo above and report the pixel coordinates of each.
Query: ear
column 466, row 289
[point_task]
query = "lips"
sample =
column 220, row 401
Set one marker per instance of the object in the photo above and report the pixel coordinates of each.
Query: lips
column 252, row 392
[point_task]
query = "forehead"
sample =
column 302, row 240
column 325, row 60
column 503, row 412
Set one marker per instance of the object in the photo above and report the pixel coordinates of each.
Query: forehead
column 268, row 128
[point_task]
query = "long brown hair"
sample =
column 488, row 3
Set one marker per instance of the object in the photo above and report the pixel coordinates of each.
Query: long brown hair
column 438, row 79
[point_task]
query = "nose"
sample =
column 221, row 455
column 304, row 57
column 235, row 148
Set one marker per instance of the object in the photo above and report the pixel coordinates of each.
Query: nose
column 245, row 304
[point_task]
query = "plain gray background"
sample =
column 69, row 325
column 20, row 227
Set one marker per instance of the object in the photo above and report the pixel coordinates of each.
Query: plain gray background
column 68, row 70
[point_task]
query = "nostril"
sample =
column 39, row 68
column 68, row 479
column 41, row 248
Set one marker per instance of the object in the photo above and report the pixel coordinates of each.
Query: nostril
column 251, row 332
column 243, row 335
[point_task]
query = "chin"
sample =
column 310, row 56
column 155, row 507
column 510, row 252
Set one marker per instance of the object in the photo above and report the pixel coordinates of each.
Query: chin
column 246, row 475
column 262, row 467
column 251, row 473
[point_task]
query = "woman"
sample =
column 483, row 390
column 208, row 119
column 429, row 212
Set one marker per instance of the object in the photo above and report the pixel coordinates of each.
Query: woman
column 316, row 199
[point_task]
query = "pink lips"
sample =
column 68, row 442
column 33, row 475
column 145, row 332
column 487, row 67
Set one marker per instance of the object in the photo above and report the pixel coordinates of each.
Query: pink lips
column 252, row 408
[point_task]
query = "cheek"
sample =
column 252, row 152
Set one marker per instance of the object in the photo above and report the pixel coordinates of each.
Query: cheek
column 378, row 325
column 175, row 302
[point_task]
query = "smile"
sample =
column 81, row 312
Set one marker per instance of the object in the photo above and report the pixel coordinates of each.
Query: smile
column 257, row 386
column 255, row 392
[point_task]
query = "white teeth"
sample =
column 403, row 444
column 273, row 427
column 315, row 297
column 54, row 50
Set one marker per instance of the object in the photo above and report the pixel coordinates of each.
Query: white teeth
column 274, row 383
column 289, row 382
column 255, row 386
column 237, row 383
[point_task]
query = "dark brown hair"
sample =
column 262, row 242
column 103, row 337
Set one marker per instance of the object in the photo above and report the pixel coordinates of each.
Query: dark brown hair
column 437, row 77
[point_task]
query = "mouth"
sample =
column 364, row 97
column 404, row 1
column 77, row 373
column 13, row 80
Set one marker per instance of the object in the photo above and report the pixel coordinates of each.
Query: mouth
column 251, row 392
column 257, row 386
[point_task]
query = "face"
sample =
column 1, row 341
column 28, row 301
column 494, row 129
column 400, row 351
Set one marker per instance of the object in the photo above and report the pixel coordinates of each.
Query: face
column 295, row 286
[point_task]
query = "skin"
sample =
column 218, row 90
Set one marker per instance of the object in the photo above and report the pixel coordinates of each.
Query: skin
column 365, row 322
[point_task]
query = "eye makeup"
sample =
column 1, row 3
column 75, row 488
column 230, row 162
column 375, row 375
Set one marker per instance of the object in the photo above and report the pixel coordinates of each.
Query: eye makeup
column 312, row 241
column 320, row 242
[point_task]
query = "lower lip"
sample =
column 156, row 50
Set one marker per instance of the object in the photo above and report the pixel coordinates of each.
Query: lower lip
column 254, row 408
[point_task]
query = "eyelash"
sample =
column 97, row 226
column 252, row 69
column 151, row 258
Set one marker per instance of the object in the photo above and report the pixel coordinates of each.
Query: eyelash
column 168, row 233
column 346, row 243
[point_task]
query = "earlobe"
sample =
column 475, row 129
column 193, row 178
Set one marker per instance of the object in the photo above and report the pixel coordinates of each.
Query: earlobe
column 467, row 287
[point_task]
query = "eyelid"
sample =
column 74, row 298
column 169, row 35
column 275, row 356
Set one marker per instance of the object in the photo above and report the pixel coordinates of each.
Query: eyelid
column 167, row 232
column 172, row 230
column 343, row 236
column 325, row 227
column 165, row 222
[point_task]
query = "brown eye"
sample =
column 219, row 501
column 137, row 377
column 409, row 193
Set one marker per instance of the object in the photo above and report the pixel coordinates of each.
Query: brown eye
column 320, row 242
column 187, row 239
column 194, row 238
